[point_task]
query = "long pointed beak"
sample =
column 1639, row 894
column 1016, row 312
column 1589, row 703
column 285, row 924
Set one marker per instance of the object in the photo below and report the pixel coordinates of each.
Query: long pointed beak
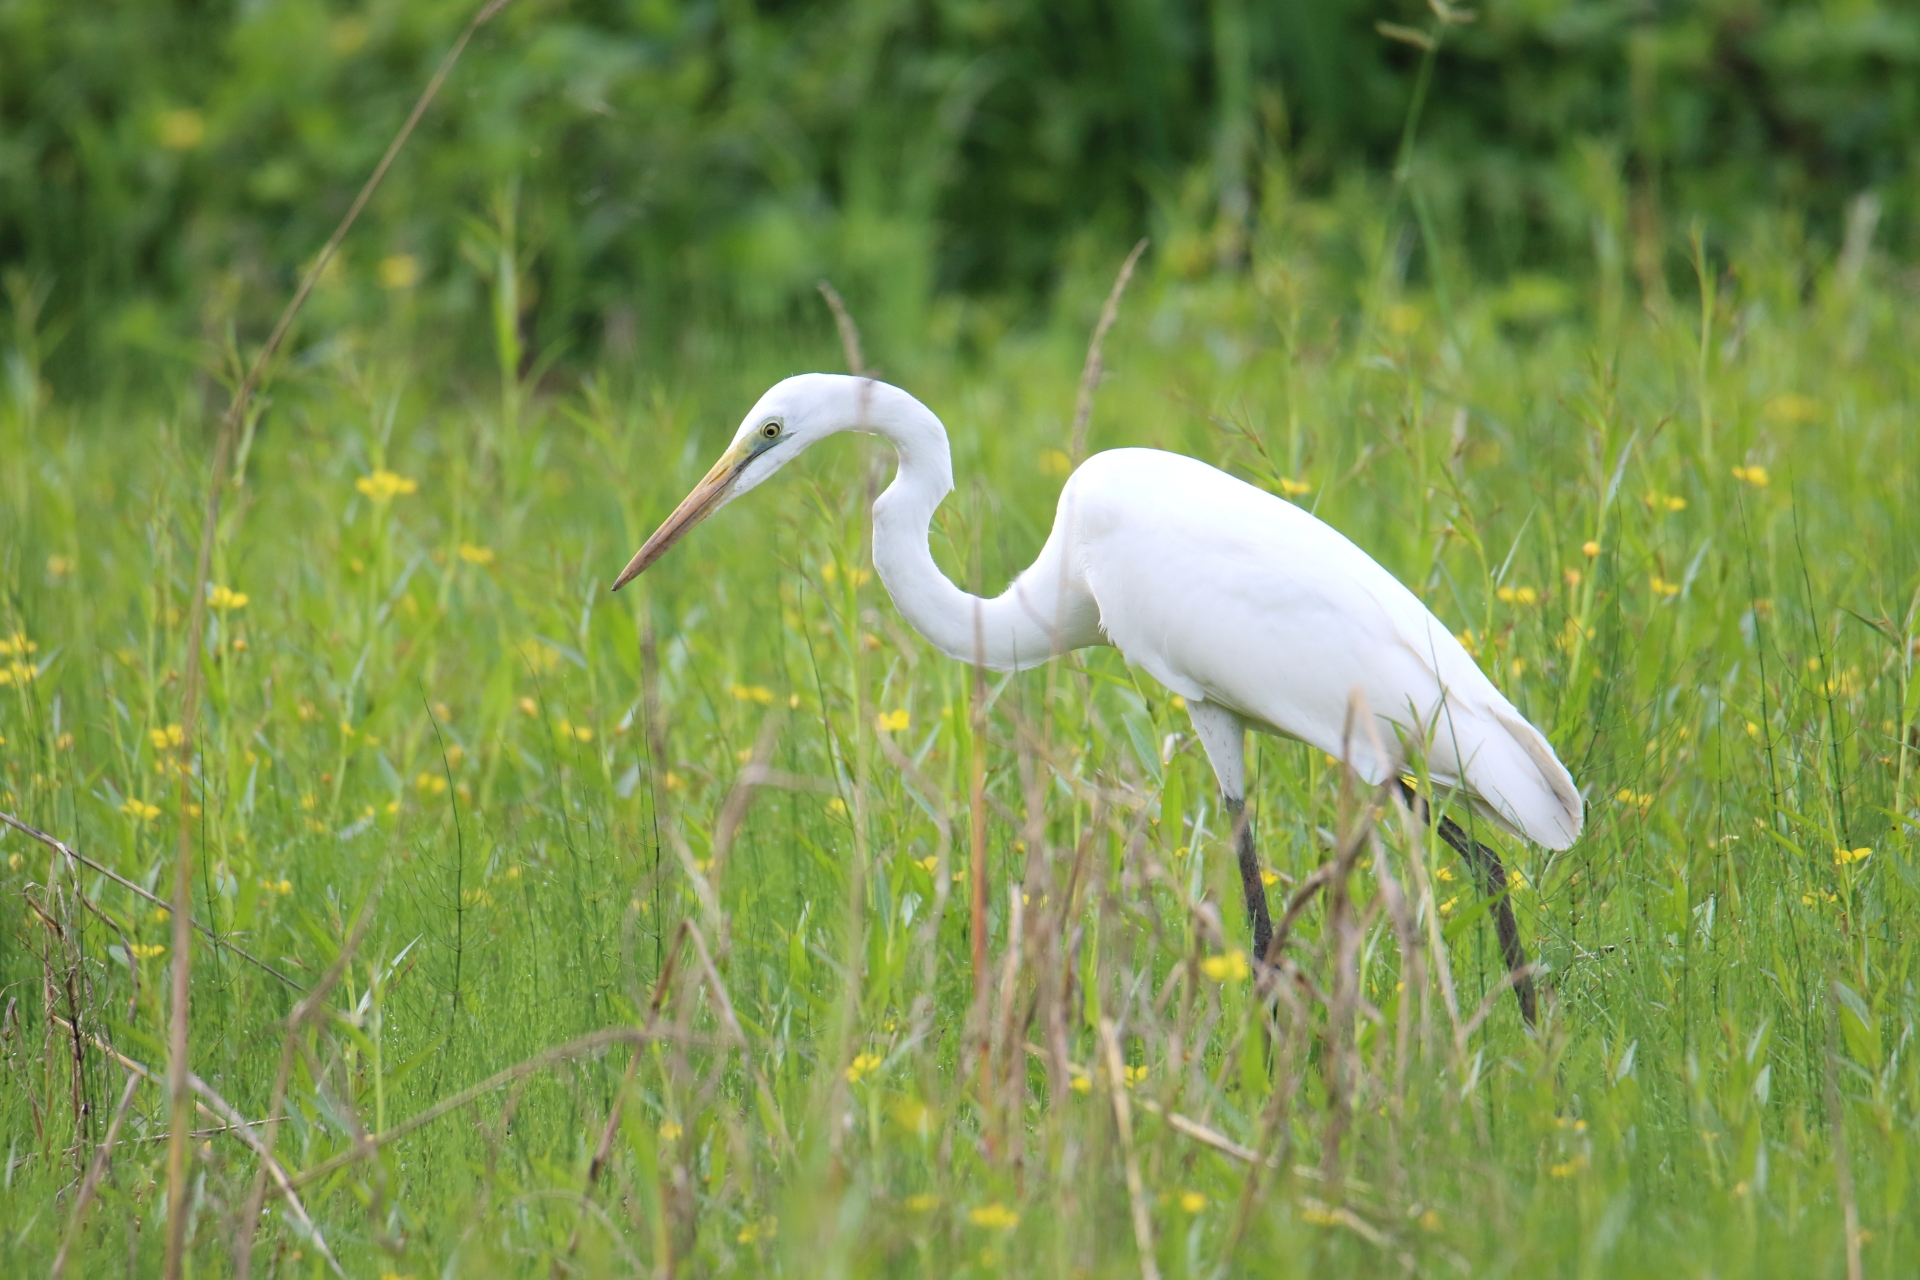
column 706, row 498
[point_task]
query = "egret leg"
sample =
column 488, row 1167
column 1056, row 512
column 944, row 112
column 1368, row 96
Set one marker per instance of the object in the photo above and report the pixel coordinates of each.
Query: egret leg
column 1224, row 735
column 1491, row 875
column 1250, row 883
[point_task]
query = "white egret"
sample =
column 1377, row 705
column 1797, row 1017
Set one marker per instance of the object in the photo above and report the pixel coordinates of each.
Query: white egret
column 1254, row 611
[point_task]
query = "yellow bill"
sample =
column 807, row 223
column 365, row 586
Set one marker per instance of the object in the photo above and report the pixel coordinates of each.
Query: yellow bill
column 706, row 498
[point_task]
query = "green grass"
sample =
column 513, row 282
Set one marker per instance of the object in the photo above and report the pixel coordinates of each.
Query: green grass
column 429, row 713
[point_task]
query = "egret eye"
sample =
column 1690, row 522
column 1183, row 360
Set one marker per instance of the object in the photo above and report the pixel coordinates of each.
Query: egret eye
column 770, row 431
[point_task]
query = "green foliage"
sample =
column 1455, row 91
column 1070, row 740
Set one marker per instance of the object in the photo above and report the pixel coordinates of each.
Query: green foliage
column 1683, row 539
column 167, row 168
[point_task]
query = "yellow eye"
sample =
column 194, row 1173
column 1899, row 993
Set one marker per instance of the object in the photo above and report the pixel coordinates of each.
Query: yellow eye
column 770, row 431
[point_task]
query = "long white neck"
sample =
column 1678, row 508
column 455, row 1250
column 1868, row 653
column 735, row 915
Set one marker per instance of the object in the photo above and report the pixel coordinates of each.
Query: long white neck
column 1018, row 629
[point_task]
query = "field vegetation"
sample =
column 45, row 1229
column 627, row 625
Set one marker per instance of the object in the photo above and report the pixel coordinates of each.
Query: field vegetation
column 539, row 931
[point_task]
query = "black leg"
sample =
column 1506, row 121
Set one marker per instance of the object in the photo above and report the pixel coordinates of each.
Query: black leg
column 1491, row 875
column 1250, row 883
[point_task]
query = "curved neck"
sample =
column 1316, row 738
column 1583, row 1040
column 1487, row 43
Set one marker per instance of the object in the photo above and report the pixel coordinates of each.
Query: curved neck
column 1002, row 634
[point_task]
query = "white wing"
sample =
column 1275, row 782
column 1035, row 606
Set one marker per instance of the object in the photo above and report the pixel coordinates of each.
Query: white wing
column 1227, row 594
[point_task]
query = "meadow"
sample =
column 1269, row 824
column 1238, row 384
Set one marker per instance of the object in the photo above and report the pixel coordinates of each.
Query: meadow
column 547, row 932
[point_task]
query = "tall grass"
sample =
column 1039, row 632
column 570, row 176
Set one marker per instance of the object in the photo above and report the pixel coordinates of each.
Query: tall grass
column 553, row 933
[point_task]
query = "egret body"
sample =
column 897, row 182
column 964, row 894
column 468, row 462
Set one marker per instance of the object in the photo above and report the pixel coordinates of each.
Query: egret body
column 1257, row 613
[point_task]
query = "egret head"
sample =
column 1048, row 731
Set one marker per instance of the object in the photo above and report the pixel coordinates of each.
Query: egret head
column 791, row 416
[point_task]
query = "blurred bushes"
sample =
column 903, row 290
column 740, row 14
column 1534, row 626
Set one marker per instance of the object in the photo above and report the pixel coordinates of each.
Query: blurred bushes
column 167, row 167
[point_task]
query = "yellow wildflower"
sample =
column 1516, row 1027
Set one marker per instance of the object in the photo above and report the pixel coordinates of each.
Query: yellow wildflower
column 1294, row 488
column 669, row 1131
column 430, row 784
column 1755, row 476
column 17, row 645
column 753, row 693
column 1589, row 548
column 1443, row 874
column 1661, row 587
column 761, row 1230
column 1446, row 908
column 1055, row 463
column 1517, row 595
column 182, row 129
column 472, row 553
column 1134, row 1075
column 995, row 1217
column 140, row 809
column 928, row 863
column 1568, row 1169
column 163, row 739
column 1230, row 967
column 147, row 950
column 225, row 598
column 1269, row 878
column 1842, row 857
column 895, row 721
column 58, row 566
column 1791, row 406
column 1081, row 1082
column 922, row 1203
column 861, row 1067
column 399, row 271
column 1192, row 1201
column 384, row 486
column 837, row 807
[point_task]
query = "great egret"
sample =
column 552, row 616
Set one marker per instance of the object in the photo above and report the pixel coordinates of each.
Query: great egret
column 1251, row 609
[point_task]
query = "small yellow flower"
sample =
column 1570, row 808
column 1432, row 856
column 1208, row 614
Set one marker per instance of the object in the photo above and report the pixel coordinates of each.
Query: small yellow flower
column 1818, row 896
column 1081, row 1083
column 58, row 566
column 1517, row 881
column 1269, row 878
column 1192, row 1201
column 928, row 863
column 140, row 809
column 399, row 271
column 753, row 693
column 163, row 739
column 472, row 553
column 147, row 950
column 384, row 486
column 1517, row 595
column 858, row 577
column 528, row 707
column 1319, row 1215
column 861, row 1067
column 1571, row 577
column 1292, row 488
column 1230, row 967
column 1178, row 703
column 182, row 129
column 1444, row 874
column 894, row 721
column 1134, row 1075
column 17, row 646
column 1568, row 1169
column 1055, row 463
column 1665, row 502
column 1589, row 549
column 837, row 807
column 1430, row 1220
column 225, row 598
column 995, row 1217
column 1661, row 587
column 761, row 1230
column 922, row 1203
column 430, row 784
column 1755, row 476
column 1842, row 857
column 1446, row 908
column 669, row 1131
column 1791, row 406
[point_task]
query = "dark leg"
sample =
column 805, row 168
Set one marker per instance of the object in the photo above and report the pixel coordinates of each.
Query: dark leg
column 1491, row 875
column 1250, row 884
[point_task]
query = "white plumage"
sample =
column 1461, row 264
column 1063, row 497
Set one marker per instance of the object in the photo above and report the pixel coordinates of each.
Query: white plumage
column 1250, row 608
